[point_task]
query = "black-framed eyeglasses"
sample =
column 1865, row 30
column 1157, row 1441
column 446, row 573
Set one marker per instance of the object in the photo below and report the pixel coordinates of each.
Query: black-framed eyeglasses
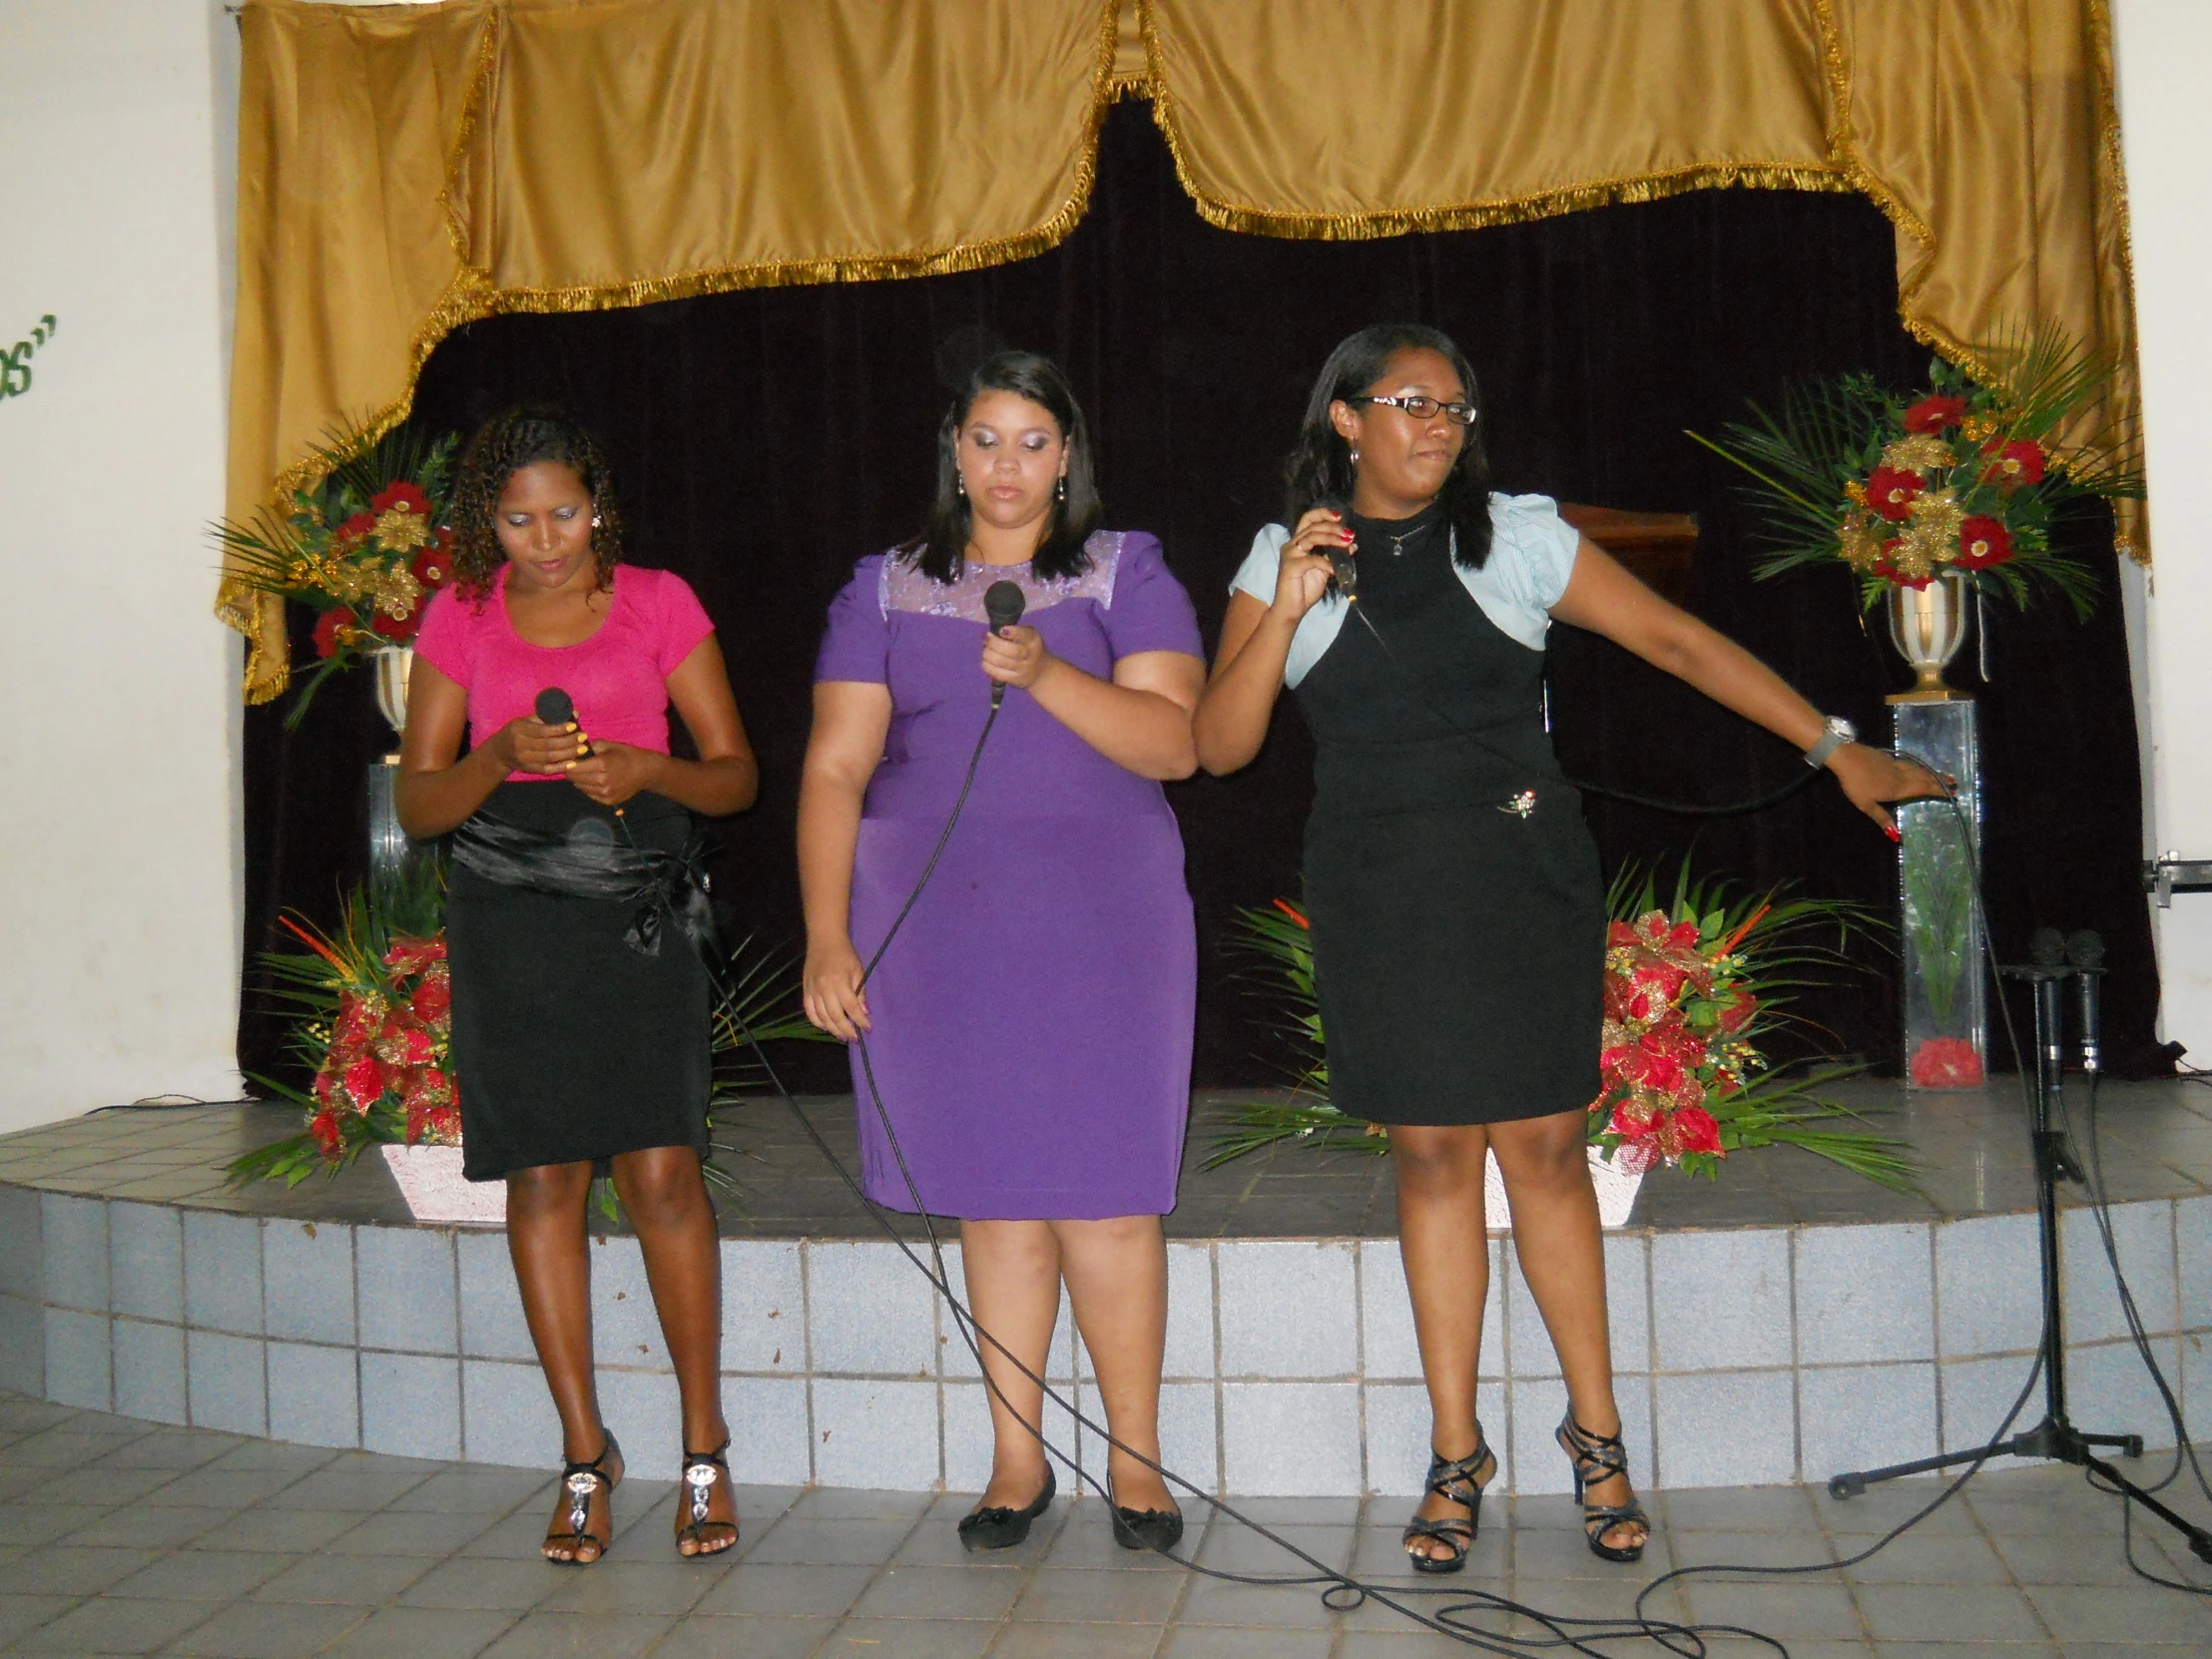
column 1425, row 408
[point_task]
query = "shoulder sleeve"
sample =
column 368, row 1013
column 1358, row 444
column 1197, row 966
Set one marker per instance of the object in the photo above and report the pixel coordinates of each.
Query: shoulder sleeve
column 1149, row 610
column 681, row 621
column 447, row 638
column 1256, row 575
column 1540, row 544
column 857, row 643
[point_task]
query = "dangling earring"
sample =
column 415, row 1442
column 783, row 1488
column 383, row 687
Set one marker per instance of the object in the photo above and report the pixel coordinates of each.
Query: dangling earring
column 960, row 486
column 1060, row 490
column 1355, row 454
column 597, row 522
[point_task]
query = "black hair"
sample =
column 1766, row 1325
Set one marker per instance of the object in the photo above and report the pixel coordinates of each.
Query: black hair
column 502, row 447
column 1320, row 467
column 938, row 551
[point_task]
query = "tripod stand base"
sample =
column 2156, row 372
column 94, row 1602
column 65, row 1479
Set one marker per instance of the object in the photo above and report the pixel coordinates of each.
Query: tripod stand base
column 2060, row 1442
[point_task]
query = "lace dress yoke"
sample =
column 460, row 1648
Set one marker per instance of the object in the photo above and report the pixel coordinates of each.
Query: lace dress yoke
column 901, row 586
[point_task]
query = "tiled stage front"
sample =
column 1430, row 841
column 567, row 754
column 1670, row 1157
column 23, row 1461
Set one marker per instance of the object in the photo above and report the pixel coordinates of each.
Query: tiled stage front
column 1779, row 1324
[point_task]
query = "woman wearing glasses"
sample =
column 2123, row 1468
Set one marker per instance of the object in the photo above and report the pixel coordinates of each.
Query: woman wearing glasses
column 1459, row 922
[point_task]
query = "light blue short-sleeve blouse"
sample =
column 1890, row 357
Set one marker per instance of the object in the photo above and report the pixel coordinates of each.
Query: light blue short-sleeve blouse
column 1531, row 557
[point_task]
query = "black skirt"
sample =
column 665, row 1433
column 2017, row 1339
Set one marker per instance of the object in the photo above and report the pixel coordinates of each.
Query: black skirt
column 568, row 1045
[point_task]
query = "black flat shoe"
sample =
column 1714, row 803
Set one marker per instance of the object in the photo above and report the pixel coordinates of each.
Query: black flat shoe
column 999, row 1528
column 1157, row 1530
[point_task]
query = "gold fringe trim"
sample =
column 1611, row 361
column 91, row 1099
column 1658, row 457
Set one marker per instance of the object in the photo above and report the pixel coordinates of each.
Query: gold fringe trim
column 2133, row 535
column 472, row 296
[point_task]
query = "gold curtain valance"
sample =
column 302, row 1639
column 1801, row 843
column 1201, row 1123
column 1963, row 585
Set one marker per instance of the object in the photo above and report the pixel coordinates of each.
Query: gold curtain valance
column 403, row 171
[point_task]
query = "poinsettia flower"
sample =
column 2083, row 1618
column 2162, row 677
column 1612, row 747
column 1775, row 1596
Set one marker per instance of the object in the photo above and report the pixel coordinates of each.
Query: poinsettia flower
column 328, row 626
column 365, row 1083
column 354, row 529
column 432, row 567
column 397, row 629
column 1932, row 414
column 329, row 1138
column 400, row 495
column 414, row 956
column 2011, row 464
column 1736, row 1012
column 1984, row 541
column 1892, row 493
column 432, row 1000
column 1619, row 933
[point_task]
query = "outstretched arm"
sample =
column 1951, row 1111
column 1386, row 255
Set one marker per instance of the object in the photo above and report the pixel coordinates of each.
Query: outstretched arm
column 1606, row 599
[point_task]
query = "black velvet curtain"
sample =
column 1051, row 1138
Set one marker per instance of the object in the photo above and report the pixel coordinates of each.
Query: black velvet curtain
column 764, row 440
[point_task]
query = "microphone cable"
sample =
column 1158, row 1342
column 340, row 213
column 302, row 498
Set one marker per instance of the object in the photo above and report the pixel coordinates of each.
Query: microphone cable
column 1342, row 1591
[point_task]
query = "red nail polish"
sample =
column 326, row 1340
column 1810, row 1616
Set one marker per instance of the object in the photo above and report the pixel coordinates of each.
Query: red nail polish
column 1891, row 831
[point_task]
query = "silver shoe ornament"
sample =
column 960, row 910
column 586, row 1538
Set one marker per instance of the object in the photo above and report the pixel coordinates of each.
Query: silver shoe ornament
column 1521, row 805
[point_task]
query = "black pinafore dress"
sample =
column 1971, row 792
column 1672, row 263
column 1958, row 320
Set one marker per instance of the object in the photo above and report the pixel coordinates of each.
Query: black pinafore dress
column 1458, row 920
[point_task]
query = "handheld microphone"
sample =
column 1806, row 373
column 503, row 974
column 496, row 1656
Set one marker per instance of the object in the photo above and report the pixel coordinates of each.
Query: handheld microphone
column 1003, row 604
column 554, row 707
column 1341, row 560
column 2085, row 951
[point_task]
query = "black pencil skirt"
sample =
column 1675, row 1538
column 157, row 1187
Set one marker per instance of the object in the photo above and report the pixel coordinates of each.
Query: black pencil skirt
column 568, row 1045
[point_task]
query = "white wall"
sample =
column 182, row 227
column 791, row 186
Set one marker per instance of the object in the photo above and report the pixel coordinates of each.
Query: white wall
column 119, row 777
column 2166, row 89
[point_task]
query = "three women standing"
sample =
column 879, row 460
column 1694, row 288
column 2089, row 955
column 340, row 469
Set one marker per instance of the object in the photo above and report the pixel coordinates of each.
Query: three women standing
column 1028, row 1035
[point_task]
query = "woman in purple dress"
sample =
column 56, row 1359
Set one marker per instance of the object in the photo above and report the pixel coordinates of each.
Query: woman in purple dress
column 1029, row 1029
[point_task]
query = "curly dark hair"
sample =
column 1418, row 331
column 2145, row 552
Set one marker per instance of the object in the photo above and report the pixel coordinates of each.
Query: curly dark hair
column 938, row 551
column 1319, row 466
column 504, row 446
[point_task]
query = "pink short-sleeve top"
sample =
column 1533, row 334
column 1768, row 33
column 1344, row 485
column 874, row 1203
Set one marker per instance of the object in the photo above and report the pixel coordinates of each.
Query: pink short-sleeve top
column 617, row 678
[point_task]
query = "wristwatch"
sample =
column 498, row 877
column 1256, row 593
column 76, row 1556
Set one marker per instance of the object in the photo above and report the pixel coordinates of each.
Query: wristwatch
column 1835, row 732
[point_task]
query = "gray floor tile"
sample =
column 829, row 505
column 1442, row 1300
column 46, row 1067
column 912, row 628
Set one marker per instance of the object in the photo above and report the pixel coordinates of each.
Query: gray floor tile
column 1229, row 1547
column 547, row 1635
column 1198, row 1641
column 1078, row 1641
column 269, row 1630
column 913, row 1638
column 1917, row 1559
column 1211, row 1601
column 474, row 1490
column 276, row 1529
column 1075, row 1596
column 786, row 1590
column 113, row 1625
column 343, row 1489
column 203, row 1575
column 366, row 1581
column 942, row 1593
column 42, row 1524
column 799, row 1537
column 669, row 1586
column 2079, row 1560
column 513, row 1586
column 421, row 1633
column 70, row 1570
column 762, row 1636
column 1786, row 1610
column 405, row 1532
column 138, row 1525
column 1949, row 1613
column 19, row 1613
column 2139, row 1613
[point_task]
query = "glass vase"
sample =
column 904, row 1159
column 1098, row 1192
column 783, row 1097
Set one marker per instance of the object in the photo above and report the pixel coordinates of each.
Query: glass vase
column 1944, row 987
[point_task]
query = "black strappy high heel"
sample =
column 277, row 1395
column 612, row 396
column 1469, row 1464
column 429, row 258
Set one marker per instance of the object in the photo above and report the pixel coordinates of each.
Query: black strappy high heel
column 701, row 1470
column 1454, row 1480
column 1002, row 1527
column 1599, row 1458
column 580, row 1482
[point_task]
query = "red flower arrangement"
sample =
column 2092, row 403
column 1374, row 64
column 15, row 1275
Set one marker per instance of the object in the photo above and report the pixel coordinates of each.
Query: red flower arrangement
column 1691, row 989
column 378, row 1004
column 365, row 549
column 1972, row 476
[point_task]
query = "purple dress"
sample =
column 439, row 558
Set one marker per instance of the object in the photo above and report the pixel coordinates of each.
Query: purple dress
column 1032, row 1021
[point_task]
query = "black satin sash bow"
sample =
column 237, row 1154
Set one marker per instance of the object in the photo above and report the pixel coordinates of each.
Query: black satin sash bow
column 591, row 863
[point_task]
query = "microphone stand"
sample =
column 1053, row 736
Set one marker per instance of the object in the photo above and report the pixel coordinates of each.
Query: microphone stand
column 2055, row 1437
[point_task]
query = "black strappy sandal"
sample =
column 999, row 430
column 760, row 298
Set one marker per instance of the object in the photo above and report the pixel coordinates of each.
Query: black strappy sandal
column 1002, row 1527
column 580, row 1480
column 1454, row 1482
column 701, row 1470
column 1599, row 1458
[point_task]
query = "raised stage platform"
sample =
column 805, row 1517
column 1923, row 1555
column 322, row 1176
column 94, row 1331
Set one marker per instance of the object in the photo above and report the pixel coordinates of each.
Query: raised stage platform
column 1782, row 1324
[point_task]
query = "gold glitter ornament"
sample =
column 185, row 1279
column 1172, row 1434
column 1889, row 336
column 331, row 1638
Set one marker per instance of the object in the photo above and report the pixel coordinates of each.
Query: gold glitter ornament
column 401, row 530
column 1922, row 452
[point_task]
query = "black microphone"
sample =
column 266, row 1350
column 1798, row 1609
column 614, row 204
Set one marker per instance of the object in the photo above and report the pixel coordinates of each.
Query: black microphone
column 554, row 707
column 1003, row 604
column 2085, row 951
column 2046, row 947
column 1346, row 579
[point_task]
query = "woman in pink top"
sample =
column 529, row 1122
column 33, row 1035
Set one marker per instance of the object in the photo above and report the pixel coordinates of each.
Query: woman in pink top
column 578, row 1039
